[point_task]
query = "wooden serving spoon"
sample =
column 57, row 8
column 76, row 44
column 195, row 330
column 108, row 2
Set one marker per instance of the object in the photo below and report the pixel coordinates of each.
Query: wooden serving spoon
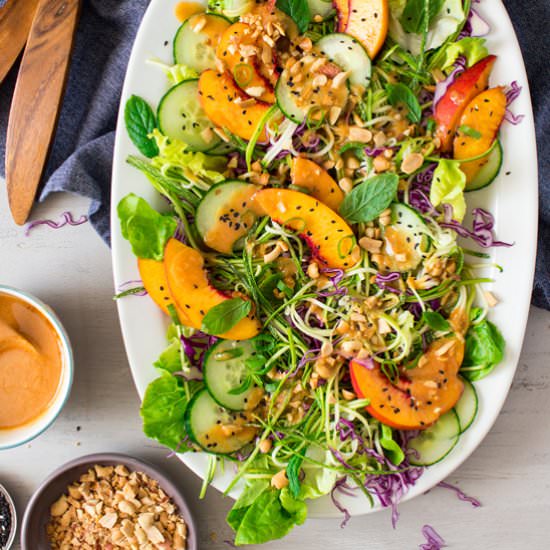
column 37, row 101
column 15, row 22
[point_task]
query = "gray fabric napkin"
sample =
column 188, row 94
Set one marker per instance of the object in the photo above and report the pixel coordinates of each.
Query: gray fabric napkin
column 81, row 157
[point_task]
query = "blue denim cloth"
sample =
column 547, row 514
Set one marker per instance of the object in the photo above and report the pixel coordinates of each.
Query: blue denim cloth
column 81, row 157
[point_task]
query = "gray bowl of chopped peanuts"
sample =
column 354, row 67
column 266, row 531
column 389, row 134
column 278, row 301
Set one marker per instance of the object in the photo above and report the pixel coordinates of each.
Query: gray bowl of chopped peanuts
column 108, row 501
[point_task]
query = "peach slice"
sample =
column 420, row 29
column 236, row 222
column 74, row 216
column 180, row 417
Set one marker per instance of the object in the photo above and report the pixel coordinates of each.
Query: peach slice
column 478, row 129
column 193, row 293
column 227, row 106
column 330, row 238
column 450, row 107
column 310, row 176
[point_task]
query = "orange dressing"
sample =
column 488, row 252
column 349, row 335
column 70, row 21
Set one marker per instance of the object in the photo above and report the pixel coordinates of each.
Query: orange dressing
column 184, row 10
column 31, row 363
column 399, row 253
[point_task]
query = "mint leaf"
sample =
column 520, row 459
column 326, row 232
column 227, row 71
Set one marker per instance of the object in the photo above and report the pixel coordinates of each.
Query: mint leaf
column 436, row 321
column 370, row 198
column 140, row 122
column 225, row 316
column 298, row 10
column 145, row 229
column 413, row 17
column 401, row 94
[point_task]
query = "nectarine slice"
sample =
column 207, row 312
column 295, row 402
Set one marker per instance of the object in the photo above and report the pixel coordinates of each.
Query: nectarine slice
column 330, row 238
column 193, row 293
column 422, row 394
column 450, row 107
column 478, row 129
column 222, row 101
column 310, row 176
column 368, row 22
column 154, row 280
column 243, row 68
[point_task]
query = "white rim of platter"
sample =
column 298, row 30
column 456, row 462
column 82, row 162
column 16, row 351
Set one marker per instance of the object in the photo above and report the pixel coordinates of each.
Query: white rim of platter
column 512, row 199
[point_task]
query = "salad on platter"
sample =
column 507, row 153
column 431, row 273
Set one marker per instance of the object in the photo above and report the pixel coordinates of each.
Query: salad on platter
column 326, row 327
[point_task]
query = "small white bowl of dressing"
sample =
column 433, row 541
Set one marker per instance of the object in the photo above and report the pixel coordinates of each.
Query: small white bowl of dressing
column 36, row 367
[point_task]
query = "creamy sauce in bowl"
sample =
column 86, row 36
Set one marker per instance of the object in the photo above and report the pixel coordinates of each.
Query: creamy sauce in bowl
column 31, row 362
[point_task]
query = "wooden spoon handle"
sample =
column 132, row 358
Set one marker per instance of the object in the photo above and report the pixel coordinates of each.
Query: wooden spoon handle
column 15, row 21
column 37, row 101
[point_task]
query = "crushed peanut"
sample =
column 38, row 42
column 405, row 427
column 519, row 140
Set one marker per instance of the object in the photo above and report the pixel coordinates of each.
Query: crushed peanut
column 110, row 507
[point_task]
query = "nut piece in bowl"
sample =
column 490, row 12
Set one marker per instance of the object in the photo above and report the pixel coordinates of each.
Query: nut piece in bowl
column 107, row 501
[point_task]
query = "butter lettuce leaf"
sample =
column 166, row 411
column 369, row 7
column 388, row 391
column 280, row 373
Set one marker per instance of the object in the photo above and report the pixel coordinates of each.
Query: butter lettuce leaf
column 146, row 229
column 471, row 48
column 263, row 513
column 174, row 160
column 443, row 25
column 484, row 349
column 163, row 410
column 448, row 187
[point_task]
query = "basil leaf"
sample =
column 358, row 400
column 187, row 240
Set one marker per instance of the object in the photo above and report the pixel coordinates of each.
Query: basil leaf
column 436, row 321
column 140, row 122
column 401, row 94
column 145, row 229
column 163, row 411
column 414, row 14
column 370, row 198
column 298, row 10
column 469, row 131
column 293, row 473
column 225, row 316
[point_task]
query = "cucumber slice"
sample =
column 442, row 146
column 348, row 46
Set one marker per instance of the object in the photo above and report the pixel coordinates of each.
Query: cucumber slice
column 435, row 443
column 197, row 50
column 231, row 8
column 290, row 97
column 406, row 239
column 180, row 116
column 222, row 149
column 466, row 408
column 224, row 216
column 348, row 53
column 225, row 370
column 214, row 428
column 489, row 171
column 320, row 7
column 286, row 100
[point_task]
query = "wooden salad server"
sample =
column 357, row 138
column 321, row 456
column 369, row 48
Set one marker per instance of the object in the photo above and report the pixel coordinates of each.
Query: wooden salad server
column 37, row 101
column 15, row 22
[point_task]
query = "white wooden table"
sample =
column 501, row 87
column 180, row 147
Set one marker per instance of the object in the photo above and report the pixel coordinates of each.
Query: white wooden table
column 70, row 269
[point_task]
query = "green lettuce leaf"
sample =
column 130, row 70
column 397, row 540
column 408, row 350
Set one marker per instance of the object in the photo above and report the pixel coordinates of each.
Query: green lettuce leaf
column 163, row 411
column 170, row 359
column 318, row 480
column 442, row 26
column 472, row 48
column 263, row 513
column 484, row 349
column 448, row 187
column 145, row 229
column 174, row 160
